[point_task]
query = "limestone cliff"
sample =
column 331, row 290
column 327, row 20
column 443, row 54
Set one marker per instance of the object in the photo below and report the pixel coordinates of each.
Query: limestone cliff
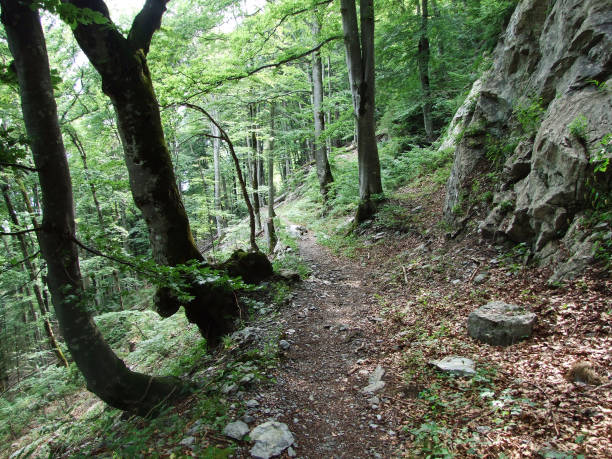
column 535, row 132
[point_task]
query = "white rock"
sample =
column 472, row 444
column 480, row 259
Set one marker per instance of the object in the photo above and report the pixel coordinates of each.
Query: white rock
column 459, row 366
column 375, row 382
column 271, row 439
column 236, row 430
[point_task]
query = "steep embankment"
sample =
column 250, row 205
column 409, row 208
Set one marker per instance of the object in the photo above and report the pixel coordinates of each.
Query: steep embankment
column 535, row 129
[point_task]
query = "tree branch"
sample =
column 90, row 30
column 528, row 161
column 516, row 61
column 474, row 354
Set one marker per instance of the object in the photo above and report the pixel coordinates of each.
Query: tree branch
column 19, row 233
column 146, row 23
column 14, row 265
column 230, row 145
column 19, row 166
column 215, row 84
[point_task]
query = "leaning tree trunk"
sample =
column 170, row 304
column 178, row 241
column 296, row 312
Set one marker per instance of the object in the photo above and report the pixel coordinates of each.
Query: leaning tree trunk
column 360, row 57
column 323, row 170
column 122, row 65
column 106, row 375
column 423, row 62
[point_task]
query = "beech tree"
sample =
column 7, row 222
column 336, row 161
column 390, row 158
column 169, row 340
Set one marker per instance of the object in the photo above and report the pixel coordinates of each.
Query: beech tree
column 360, row 62
column 106, row 375
column 323, row 170
column 126, row 80
column 423, row 62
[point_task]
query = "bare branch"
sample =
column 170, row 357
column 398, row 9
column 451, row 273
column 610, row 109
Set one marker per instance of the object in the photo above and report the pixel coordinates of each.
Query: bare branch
column 230, row 145
column 19, row 166
column 19, row 233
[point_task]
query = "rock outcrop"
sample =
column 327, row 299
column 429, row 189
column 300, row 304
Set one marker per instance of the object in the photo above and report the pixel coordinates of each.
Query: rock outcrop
column 533, row 130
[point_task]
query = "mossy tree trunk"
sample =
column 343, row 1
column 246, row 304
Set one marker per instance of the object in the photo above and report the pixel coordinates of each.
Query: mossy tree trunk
column 360, row 60
column 126, row 80
column 106, row 375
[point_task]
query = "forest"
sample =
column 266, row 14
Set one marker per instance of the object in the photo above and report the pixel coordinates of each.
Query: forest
column 237, row 228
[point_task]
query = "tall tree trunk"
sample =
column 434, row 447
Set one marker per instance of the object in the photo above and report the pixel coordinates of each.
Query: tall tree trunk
column 31, row 270
column 253, row 167
column 219, row 220
column 269, row 147
column 126, row 80
column 423, row 62
column 323, row 170
column 76, row 141
column 360, row 57
column 105, row 374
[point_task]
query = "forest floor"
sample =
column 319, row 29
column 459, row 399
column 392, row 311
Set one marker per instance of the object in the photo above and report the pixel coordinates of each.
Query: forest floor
column 378, row 305
column 401, row 300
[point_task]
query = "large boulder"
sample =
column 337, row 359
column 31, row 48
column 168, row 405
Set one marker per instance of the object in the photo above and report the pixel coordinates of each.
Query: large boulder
column 500, row 324
column 537, row 119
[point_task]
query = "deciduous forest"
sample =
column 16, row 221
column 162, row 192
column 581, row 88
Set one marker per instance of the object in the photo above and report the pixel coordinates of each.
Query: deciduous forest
column 281, row 228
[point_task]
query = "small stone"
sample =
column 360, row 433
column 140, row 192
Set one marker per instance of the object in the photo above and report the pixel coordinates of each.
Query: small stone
column 375, row 381
column 500, row 324
column 188, row 441
column 229, row 388
column 291, row 331
column 374, row 400
column 459, row 366
column 291, row 452
column 247, row 379
column 456, row 281
column 247, row 418
column 271, row 439
column 483, row 429
column 480, row 278
column 284, row 344
column 373, row 426
column 236, row 430
column 252, row 403
column 195, row 428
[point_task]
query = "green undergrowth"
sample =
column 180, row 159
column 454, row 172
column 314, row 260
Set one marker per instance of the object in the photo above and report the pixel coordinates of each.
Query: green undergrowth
column 401, row 165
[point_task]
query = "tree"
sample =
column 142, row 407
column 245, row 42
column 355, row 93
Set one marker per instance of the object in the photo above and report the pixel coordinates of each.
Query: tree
column 323, row 170
column 423, row 61
column 360, row 61
column 106, row 375
column 126, row 80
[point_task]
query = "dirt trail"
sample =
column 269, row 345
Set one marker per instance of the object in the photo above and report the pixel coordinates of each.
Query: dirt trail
column 332, row 326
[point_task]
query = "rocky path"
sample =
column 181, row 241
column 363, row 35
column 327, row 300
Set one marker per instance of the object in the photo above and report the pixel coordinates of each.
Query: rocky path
column 334, row 353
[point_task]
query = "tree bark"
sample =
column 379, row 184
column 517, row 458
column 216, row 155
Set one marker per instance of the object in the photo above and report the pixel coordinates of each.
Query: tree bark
column 126, row 80
column 252, row 141
column 360, row 59
column 270, row 230
column 423, row 62
column 323, row 170
column 219, row 220
column 105, row 374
